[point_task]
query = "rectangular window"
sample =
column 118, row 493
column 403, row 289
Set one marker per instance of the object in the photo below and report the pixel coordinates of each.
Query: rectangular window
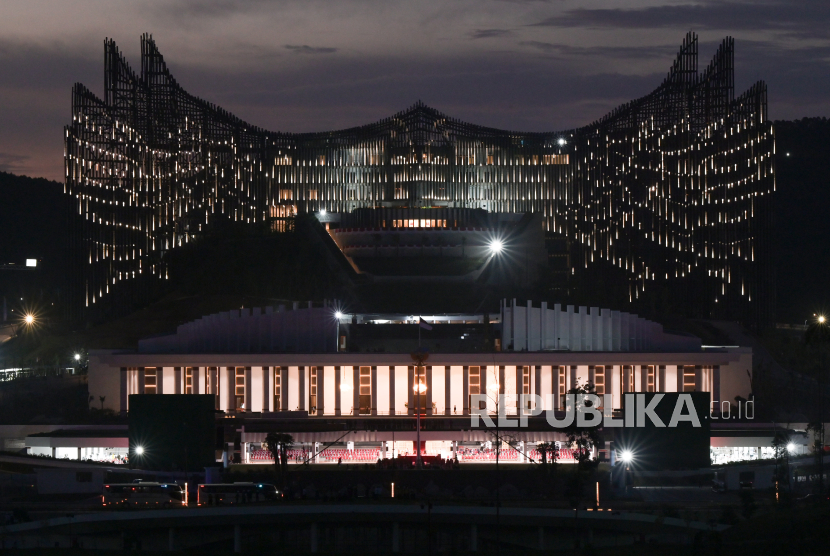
column 365, row 394
column 188, row 380
column 475, row 387
column 212, row 383
column 150, row 380
column 312, row 194
column 689, row 378
column 525, row 386
column 626, row 379
column 277, row 389
column 556, row 159
column 286, row 195
column 489, row 159
column 321, row 160
column 312, row 390
column 239, row 384
column 563, row 391
column 599, row 382
column 283, row 211
column 650, row 379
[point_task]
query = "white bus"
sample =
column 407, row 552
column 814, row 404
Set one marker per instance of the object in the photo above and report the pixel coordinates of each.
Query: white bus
column 144, row 495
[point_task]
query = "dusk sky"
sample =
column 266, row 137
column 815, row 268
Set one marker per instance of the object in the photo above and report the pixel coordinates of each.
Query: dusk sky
column 314, row 65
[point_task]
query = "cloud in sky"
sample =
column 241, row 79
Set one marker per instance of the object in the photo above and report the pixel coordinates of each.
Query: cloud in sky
column 13, row 163
column 489, row 33
column 797, row 19
column 305, row 49
column 312, row 65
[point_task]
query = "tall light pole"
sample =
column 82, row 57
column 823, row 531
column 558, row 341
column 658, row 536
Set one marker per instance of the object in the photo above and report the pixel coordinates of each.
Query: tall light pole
column 419, row 357
column 496, row 389
column 822, row 395
column 818, row 335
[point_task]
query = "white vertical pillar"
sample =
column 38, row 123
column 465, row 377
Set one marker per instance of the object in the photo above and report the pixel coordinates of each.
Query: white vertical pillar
column 222, row 383
column 293, row 388
column 547, row 383
column 438, row 388
column 383, row 389
column 329, row 391
column 567, row 335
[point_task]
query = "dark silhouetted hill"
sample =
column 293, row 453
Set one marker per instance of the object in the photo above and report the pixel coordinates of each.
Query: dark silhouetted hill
column 802, row 218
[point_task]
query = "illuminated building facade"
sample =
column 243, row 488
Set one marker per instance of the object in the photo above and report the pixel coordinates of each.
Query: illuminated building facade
column 671, row 191
column 320, row 371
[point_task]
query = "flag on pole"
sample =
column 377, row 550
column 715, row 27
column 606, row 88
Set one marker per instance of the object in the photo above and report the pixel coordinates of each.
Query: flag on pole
column 423, row 324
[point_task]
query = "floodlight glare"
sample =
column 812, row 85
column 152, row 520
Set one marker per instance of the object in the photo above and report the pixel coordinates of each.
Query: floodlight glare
column 139, row 450
column 322, row 212
column 561, row 141
column 29, row 319
column 821, row 319
column 77, row 357
column 791, row 447
column 626, row 456
column 496, row 246
column 338, row 315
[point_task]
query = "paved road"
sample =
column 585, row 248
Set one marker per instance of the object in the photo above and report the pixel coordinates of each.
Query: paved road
column 685, row 494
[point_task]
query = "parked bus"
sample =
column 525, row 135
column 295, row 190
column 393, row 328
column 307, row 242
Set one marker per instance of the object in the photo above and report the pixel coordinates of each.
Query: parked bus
column 237, row 493
column 144, row 495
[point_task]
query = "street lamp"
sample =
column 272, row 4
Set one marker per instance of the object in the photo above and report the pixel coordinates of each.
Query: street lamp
column 420, row 388
column 496, row 246
column 139, row 450
column 626, row 456
column 29, row 319
column 344, row 386
column 77, row 357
